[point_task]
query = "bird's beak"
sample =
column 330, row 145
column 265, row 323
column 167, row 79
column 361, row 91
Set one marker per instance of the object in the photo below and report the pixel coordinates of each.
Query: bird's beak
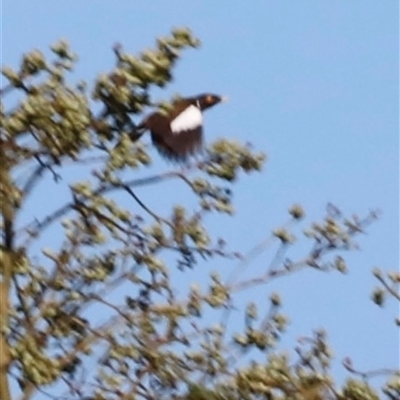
column 224, row 99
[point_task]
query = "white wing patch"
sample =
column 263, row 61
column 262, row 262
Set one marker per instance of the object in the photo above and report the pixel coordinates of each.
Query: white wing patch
column 191, row 118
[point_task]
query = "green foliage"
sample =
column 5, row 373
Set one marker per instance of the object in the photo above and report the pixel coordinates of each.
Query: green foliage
column 104, row 314
column 356, row 390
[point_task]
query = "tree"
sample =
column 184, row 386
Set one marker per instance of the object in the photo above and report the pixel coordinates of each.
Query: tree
column 97, row 315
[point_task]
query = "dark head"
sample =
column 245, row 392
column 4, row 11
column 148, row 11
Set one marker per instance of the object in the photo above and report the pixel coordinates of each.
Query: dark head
column 208, row 100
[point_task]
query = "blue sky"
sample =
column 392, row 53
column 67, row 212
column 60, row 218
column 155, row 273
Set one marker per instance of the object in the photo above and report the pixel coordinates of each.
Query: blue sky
column 313, row 84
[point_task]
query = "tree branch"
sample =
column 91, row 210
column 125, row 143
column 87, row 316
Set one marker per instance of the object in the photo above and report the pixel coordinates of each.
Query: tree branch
column 389, row 289
column 153, row 214
column 42, row 225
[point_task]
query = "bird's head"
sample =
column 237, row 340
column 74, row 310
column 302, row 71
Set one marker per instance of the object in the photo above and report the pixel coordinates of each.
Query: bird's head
column 208, row 100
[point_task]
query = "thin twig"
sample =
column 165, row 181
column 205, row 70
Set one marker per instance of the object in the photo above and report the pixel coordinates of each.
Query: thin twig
column 366, row 375
column 253, row 253
column 48, row 166
column 42, row 225
column 30, row 183
column 390, row 289
column 153, row 214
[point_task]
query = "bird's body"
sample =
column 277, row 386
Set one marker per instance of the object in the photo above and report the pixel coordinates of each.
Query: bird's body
column 178, row 133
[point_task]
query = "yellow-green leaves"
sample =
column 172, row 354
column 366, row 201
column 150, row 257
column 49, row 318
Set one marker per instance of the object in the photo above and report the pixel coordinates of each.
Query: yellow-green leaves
column 357, row 390
column 227, row 157
column 13, row 77
column 62, row 49
column 32, row 63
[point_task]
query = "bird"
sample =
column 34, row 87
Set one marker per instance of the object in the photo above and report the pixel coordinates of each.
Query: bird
column 178, row 133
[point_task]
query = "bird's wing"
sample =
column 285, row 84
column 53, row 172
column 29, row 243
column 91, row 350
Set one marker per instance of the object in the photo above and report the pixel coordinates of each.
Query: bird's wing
column 189, row 119
column 179, row 147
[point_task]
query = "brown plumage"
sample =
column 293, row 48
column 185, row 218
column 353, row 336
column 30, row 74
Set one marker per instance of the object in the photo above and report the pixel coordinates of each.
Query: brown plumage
column 179, row 133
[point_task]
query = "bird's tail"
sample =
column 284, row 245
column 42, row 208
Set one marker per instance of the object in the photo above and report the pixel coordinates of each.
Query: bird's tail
column 138, row 131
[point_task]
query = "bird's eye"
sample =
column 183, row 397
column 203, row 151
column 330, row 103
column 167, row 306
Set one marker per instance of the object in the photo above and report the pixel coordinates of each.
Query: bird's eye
column 209, row 99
